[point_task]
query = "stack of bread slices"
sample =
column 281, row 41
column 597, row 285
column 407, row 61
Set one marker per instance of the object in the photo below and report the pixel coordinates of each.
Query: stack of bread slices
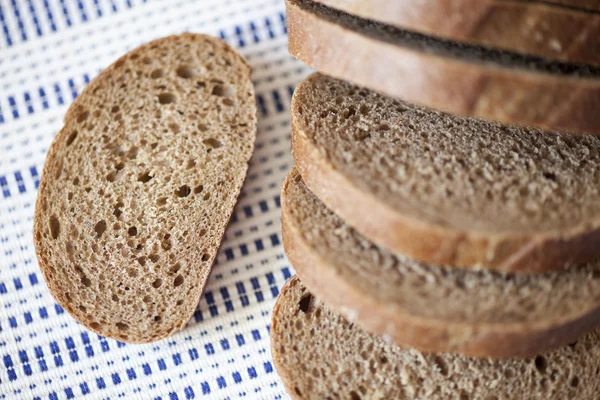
column 443, row 217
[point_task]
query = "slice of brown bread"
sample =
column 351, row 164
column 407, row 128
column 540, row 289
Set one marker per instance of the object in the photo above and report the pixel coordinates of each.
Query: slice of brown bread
column 320, row 355
column 446, row 75
column 446, row 189
column 437, row 309
column 140, row 184
column 532, row 28
column 586, row 5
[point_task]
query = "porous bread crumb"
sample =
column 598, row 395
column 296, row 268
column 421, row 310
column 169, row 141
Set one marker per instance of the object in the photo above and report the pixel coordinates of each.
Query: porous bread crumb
column 451, row 171
column 457, row 306
column 140, row 184
column 320, row 355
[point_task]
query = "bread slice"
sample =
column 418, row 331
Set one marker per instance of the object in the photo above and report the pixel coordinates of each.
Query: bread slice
column 534, row 28
column 446, row 189
column 584, row 5
column 320, row 355
column 140, row 184
column 433, row 308
column 461, row 79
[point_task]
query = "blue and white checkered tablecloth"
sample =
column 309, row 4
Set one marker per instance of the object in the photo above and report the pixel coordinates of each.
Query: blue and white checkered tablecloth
column 49, row 50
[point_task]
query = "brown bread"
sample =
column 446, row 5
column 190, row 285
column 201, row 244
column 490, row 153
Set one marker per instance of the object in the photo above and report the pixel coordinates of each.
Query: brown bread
column 140, row 184
column 446, row 189
column 320, row 355
column 535, row 28
column 445, row 75
column 428, row 307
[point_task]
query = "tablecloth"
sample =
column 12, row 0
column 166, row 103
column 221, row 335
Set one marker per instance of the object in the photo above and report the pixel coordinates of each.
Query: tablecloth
column 49, row 50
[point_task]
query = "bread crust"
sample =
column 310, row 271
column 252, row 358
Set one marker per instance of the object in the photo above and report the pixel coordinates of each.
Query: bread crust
column 533, row 28
column 486, row 90
column 398, row 325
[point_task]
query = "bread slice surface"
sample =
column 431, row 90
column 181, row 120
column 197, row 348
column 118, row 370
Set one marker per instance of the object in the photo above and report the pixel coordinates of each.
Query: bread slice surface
column 428, row 307
column 140, row 184
column 534, row 28
column 457, row 78
column 321, row 355
column 446, row 189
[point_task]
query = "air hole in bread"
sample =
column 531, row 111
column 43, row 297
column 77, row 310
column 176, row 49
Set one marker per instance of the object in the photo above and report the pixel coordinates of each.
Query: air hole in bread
column 157, row 283
column 354, row 395
column 200, row 85
column 111, row 177
column 71, row 138
column 550, row 176
column 206, row 196
column 349, row 112
column 541, row 364
column 119, row 166
column 167, row 98
column 132, row 272
column 440, row 364
column 212, row 143
column 157, row 73
column 153, row 257
column 191, row 164
column 223, row 90
column 187, row 72
column 145, row 177
column 147, row 60
column 305, row 303
column 228, row 102
column 174, row 127
column 147, row 299
column 383, row 127
column 114, row 298
column 175, row 268
column 54, row 226
column 114, row 109
column 464, row 396
column 117, row 211
column 83, row 116
column 161, row 201
column 85, row 281
column 157, row 318
column 298, row 392
column 122, row 326
column 178, row 281
column 574, row 382
column 132, row 231
column 205, row 257
column 100, row 228
column 203, row 127
column 141, row 261
column 183, row 191
column 95, row 325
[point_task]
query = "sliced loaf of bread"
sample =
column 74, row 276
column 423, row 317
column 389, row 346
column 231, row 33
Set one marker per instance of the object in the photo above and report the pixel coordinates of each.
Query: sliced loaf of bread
column 320, row 355
column 534, row 28
column 446, row 189
column 433, row 308
column 140, row 184
column 457, row 78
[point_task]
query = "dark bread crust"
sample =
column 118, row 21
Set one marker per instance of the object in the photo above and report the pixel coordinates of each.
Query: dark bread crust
column 533, row 28
column 193, row 263
column 396, row 321
column 464, row 86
